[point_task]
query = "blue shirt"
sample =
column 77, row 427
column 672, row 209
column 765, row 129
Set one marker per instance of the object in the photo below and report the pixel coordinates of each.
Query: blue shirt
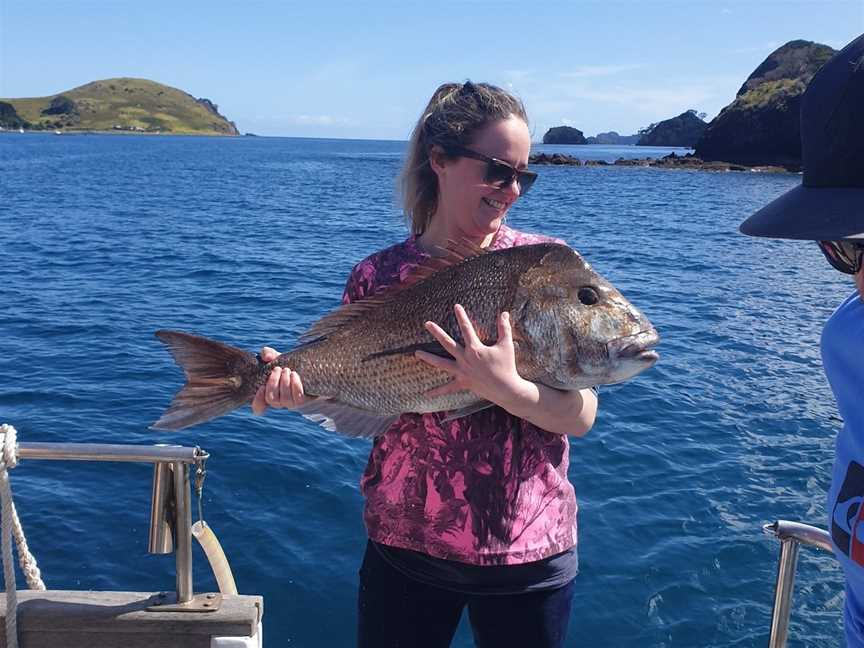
column 843, row 360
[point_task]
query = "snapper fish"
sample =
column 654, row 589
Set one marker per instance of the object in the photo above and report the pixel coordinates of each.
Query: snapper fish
column 571, row 330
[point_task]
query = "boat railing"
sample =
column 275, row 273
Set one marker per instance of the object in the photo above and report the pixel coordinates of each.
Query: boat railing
column 791, row 535
column 106, row 619
column 171, row 506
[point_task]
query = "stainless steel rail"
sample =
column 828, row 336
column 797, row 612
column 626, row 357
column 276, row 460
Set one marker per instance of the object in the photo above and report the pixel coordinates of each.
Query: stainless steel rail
column 176, row 459
column 791, row 536
column 110, row 452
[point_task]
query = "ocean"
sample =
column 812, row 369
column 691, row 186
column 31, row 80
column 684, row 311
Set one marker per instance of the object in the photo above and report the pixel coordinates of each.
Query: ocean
column 106, row 239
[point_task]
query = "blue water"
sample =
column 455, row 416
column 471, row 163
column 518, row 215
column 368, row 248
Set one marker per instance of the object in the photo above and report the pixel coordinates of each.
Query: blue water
column 107, row 238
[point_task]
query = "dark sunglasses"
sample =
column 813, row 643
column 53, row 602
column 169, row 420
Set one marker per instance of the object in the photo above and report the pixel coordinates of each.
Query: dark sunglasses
column 844, row 256
column 498, row 173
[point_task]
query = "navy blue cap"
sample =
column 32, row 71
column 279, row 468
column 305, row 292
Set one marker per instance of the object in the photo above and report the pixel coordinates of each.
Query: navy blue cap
column 829, row 203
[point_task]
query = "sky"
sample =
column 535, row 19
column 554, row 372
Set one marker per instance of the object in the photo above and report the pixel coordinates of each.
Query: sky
column 365, row 69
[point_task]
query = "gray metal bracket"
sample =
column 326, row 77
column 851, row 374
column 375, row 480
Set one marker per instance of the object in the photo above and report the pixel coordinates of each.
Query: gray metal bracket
column 167, row 602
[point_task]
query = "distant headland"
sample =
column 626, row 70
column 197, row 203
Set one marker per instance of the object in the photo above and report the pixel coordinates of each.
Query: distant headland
column 683, row 130
column 759, row 130
column 118, row 105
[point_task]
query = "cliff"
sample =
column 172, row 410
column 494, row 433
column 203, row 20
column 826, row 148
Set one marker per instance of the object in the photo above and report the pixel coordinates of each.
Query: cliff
column 762, row 125
column 122, row 104
column 9, row 117
column 683, row 130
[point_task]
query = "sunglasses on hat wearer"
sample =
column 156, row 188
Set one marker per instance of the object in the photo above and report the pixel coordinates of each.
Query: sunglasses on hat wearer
column 845, row 256
column 498, row 172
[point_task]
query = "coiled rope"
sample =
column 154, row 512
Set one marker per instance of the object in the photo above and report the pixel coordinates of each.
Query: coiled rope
column 11, row 526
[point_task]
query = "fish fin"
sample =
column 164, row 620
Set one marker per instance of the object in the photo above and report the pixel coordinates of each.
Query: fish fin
column 332, row 322
column 455, row 253
column 465, row 411
column 337, row 416
column 219, row 378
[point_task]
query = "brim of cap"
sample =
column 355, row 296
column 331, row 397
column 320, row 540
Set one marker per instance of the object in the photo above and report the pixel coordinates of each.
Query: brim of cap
column 811, row 214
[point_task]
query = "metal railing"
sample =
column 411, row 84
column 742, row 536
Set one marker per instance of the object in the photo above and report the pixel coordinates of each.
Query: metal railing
column 791, row 535
column 171, row 510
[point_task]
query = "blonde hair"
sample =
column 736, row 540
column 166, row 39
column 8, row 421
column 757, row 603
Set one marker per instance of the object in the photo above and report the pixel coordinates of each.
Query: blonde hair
column 452, row 117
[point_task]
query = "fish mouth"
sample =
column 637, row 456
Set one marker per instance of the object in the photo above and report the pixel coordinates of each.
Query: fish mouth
column 638, row 347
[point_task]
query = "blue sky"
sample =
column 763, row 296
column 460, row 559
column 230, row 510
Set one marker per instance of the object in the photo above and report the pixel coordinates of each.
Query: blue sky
column 366, row 69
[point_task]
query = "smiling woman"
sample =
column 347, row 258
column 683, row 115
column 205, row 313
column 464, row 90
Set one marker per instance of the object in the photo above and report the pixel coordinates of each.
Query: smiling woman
column 475, row 511
column 473, row 198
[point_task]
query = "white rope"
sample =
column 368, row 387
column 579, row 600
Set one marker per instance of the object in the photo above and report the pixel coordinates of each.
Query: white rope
column 11, row 526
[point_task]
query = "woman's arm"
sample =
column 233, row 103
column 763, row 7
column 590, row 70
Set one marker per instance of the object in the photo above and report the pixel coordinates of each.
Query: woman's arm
column 490, row 372
column 561, row 412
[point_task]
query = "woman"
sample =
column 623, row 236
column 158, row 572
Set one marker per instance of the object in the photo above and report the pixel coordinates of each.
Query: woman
column 828, row 207
column 476, row 512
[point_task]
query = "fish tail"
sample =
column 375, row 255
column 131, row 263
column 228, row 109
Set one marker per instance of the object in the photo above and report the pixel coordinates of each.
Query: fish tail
column 219, row 379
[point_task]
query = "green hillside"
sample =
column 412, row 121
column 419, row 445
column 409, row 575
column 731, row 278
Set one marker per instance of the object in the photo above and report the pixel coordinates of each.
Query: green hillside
column 132, row 105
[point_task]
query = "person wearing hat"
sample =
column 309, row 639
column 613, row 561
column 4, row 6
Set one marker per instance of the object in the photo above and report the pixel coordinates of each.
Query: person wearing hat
column 828, row 207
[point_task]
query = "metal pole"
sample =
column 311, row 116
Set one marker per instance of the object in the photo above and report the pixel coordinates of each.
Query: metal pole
column 783, row 593
column 160, row 539
column 183, row 542
column 803, row 533
column 109, row 452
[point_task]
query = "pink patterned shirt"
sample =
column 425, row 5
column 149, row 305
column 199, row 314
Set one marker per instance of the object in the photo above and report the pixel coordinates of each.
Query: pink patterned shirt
column 485, row 489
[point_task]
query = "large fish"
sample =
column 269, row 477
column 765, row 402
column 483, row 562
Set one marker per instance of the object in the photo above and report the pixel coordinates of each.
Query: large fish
column 571, row 328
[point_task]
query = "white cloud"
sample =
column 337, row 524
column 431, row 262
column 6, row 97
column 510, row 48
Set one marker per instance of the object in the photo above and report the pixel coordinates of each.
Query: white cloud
column 314, row 120
column 652, row 100
column 516, row 75
column 583, row 71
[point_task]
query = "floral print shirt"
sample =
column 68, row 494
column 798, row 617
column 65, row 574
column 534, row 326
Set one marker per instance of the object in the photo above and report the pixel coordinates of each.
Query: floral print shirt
column 485, row 489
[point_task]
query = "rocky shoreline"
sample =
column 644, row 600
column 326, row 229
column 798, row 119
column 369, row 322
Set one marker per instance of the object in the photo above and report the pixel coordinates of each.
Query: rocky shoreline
column 671, row 161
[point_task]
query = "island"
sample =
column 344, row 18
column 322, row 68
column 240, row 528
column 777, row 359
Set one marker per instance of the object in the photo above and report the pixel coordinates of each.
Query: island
column 683, row 130
column 124, row 105
column 762, row 124
column 563, row 135
column 688, row 162
column 612, row 138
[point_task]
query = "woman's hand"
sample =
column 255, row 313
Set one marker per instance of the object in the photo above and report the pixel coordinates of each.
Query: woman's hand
column 487, row 370
column 490, row 372
column 283, row 389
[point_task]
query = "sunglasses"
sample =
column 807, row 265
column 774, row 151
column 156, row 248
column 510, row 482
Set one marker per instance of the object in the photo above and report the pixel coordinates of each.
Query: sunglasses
column 844, row 256
column 499, row 174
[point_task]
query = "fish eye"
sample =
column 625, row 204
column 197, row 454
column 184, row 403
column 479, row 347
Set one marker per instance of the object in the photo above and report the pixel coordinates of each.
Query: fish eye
column 588, row 296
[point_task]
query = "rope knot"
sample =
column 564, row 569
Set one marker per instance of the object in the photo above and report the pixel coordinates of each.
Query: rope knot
column 10, row 446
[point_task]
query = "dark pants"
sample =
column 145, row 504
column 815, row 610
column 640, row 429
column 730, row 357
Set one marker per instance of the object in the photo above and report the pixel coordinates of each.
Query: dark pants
column 396, row 611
